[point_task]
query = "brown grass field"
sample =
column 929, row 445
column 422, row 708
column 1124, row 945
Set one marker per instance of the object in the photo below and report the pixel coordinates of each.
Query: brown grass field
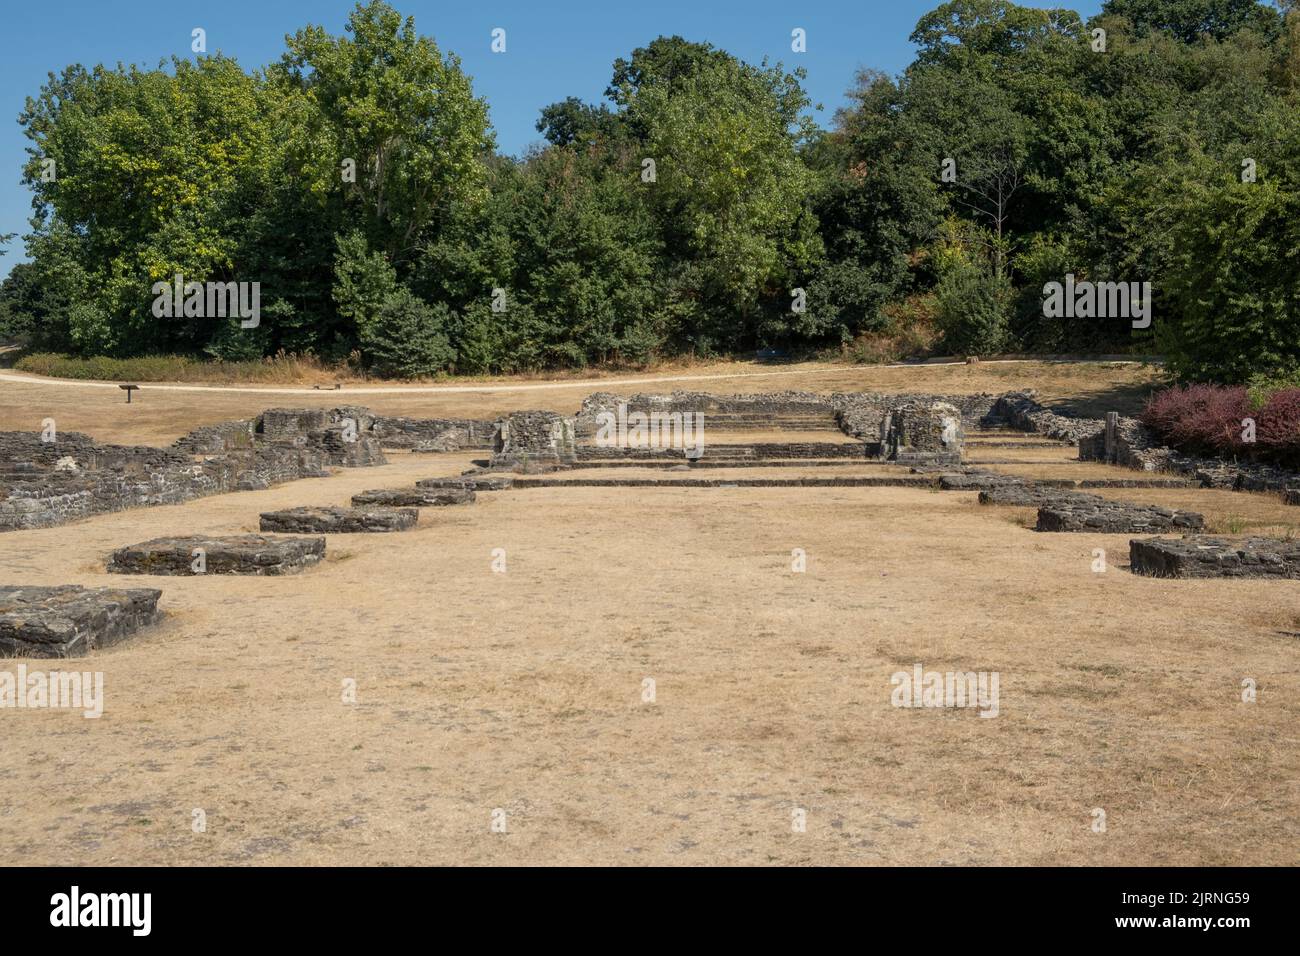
column 522, row 691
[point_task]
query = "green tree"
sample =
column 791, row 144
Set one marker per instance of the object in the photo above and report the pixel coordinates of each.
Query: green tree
column 398, row 113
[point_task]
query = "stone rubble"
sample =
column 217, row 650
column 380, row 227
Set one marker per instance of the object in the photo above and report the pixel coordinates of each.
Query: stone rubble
column 225, row 554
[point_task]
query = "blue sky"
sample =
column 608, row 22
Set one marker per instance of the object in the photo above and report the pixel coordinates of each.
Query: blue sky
column 553, row 50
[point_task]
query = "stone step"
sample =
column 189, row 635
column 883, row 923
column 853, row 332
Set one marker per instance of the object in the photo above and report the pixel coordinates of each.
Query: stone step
column 473, row 482
column 847, row 481
column 328, row 520
column 198, row 555
column 418, row 497
column 1104, row 516
column 992, row 443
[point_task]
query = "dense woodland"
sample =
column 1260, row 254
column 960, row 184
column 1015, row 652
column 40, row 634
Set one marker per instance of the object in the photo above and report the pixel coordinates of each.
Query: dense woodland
column 1118, row 156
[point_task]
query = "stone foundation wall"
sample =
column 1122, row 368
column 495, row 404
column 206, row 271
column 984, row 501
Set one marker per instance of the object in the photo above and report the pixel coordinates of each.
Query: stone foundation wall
column 43, row 484
column 922, row 433
column 1022, row 410
column 1129, row 443
column 1082, row 512
column 1202, row 557
column 524, row 438
column 435, row 434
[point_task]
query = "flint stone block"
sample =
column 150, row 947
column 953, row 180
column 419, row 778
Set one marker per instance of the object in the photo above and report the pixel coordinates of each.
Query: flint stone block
column 231, row 554
column 69, row 620
column 474, row 482
column 415, row 497
column 1199, row 556
column 1093, row 513
column 533, row 436
column 919, row 432
column 339, row 520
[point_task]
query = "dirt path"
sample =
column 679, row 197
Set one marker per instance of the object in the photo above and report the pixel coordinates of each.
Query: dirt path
column 541, row 386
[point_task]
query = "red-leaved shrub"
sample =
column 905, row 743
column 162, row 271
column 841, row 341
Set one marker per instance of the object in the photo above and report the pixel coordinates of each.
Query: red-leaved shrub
column 1210, row 420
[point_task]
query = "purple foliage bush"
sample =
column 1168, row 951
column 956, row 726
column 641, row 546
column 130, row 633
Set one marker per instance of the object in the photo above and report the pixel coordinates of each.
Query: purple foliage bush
column 1208, row 420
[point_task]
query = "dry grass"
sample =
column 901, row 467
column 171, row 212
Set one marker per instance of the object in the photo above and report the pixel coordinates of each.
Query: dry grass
column 522, row 691
column 159, row 416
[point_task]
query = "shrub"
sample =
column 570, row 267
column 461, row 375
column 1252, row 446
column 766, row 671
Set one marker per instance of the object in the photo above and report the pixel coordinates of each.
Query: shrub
column 974, row 309
column 1207, row 420
column 909, row 332
column 1262, row 385
column 407, row 337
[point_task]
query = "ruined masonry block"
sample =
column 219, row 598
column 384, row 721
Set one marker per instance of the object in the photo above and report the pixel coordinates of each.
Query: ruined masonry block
column 920, row 432
column 232, row 554
column 1101, row 515
column 69, row 620
column 1197, row 556
column 530, row 437
column 415, row 497
column 285, row 424
column 339, row 520
column 476, row 482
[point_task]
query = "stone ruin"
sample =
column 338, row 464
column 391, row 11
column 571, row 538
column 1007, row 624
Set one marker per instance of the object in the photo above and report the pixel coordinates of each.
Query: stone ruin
column 197, row 555
column 435, row 434
column 1196, row 556
column 471, row 481
column 361, row 519
column 1080, row 512
column 43, row 484
column 417, row 497
column 1127, row 442
column 922, row 433
column 68, row 620
column 524, row 440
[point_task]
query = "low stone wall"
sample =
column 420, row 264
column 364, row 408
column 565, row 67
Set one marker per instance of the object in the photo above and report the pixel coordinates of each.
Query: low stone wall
column 68, row 620
column 359, row 519
column 1129, row 443
column 1023, row 411
column 533, row 437
column 1080, row 512
column 435, row 434
column 860, row 414
column 43, row 484
column 475, row 481
column 1203, row 557
column 198, row 555
column 417, row 497
column 920, row 432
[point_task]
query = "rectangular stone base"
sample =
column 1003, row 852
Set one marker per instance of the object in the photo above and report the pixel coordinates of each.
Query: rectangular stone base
column 69, row 620
column 1196, row 556
column 414, row 497
column 483, row 482
column 1101, row 515
column 233, row 554
column 340, row 520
